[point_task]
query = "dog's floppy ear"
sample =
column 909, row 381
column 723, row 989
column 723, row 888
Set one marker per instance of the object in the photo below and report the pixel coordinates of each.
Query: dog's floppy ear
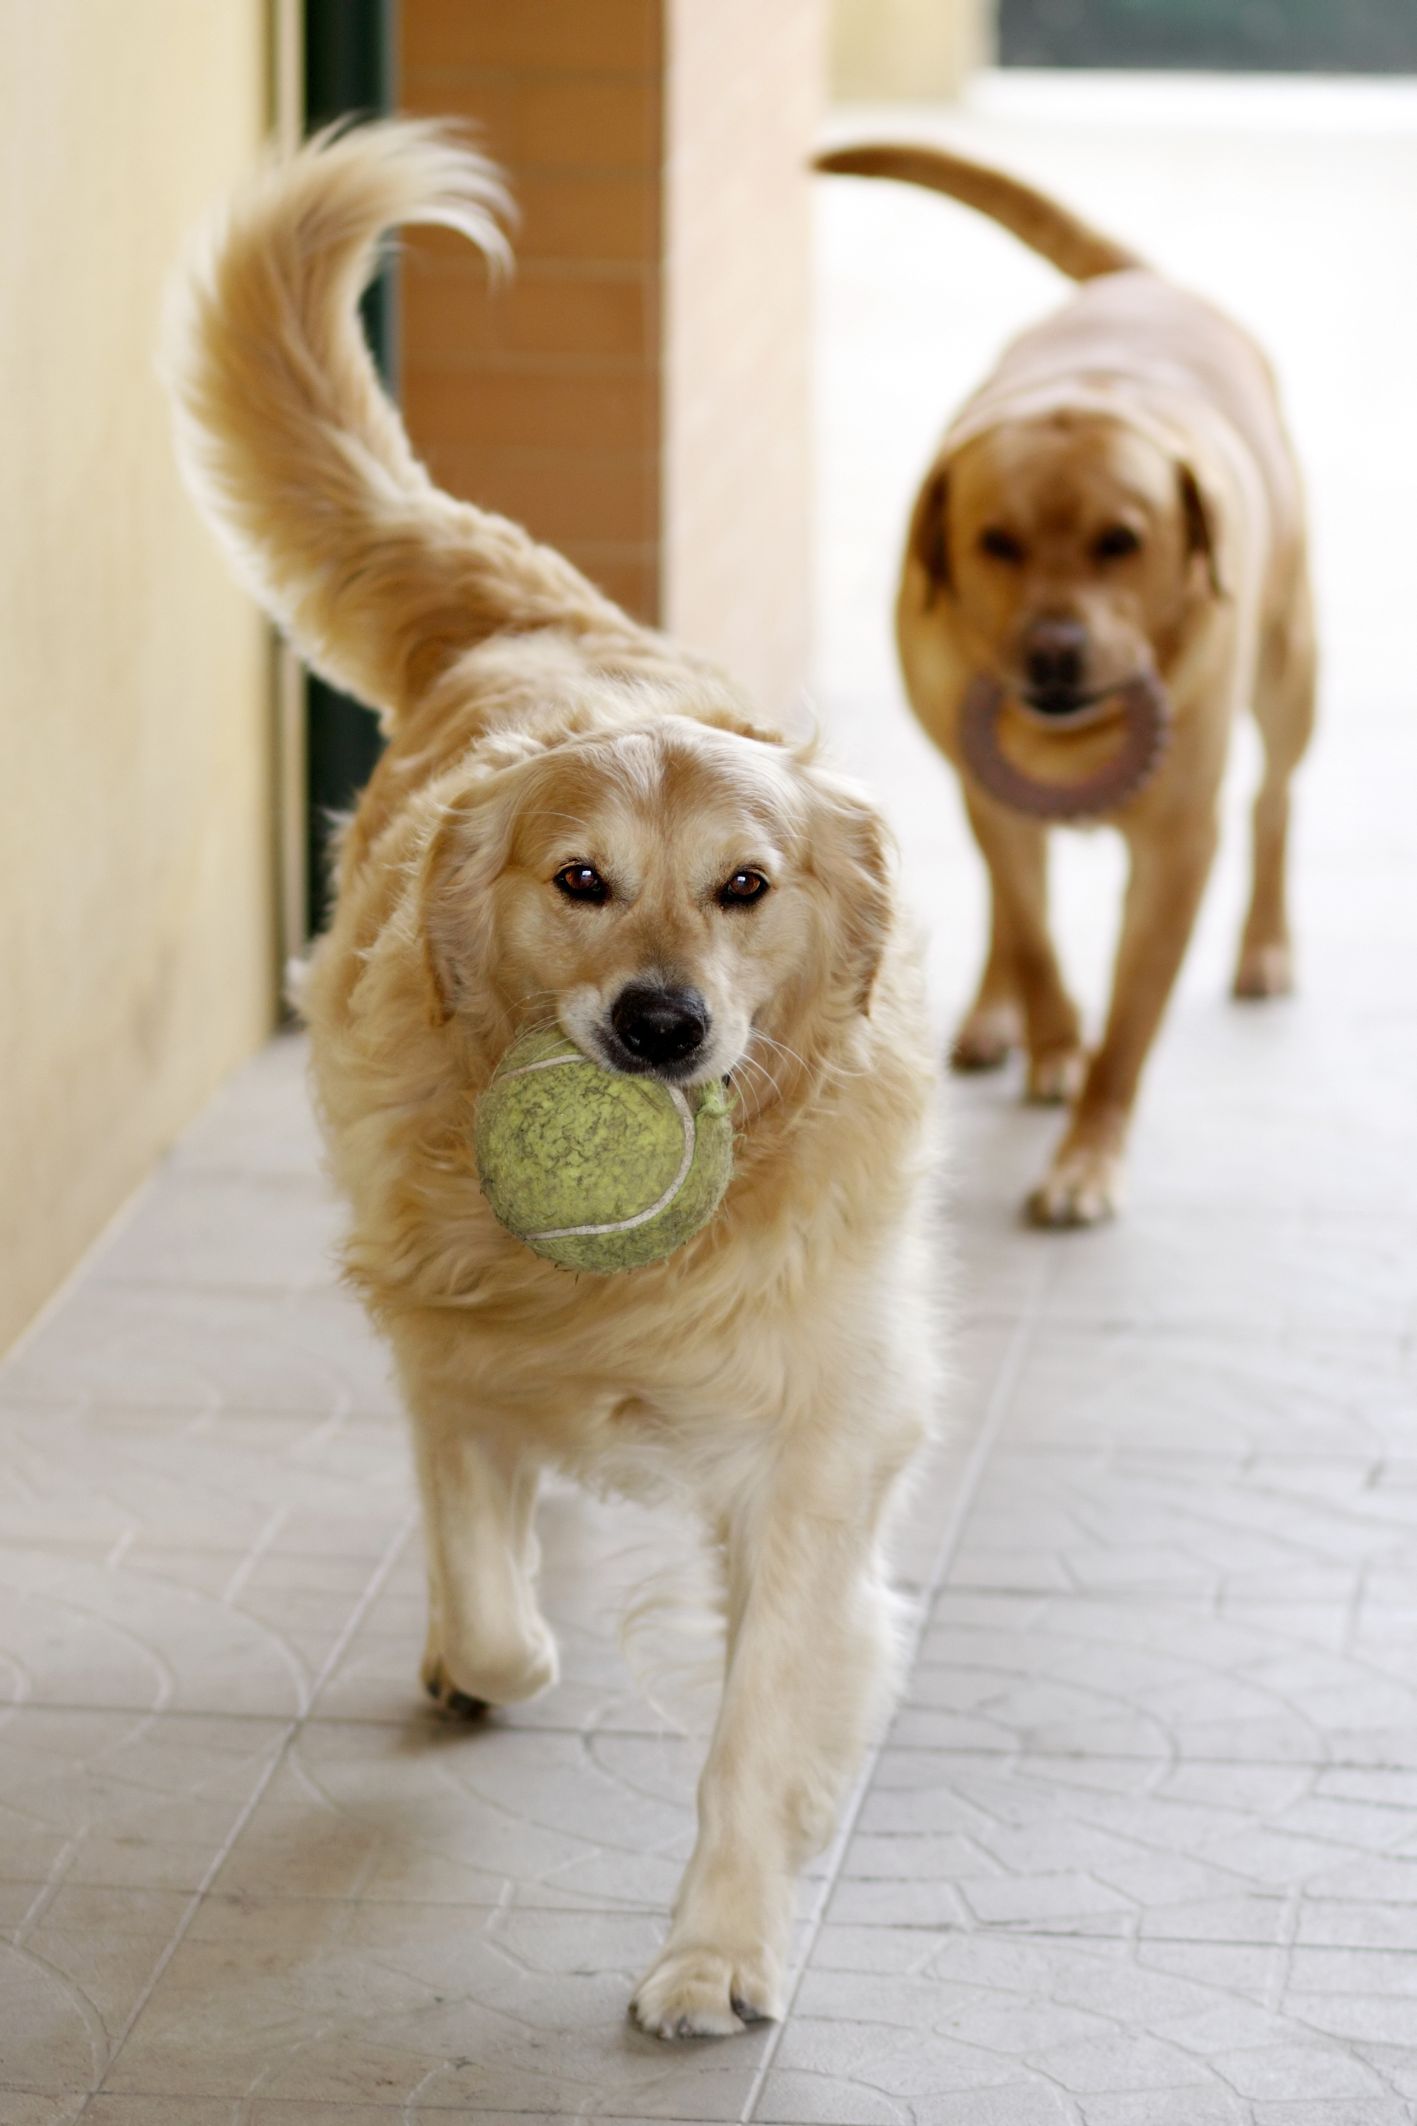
column 1201, row 518
column 930, row 534
column 465, row 853
column 455, row 882
column 853, row 857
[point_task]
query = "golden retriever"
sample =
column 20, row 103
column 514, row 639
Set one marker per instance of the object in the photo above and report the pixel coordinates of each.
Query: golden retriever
column 1115, row 514
column 576, row 822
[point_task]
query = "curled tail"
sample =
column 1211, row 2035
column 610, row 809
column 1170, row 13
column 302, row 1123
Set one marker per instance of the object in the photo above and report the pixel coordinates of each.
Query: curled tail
column 294, row 451
column 1036, row 220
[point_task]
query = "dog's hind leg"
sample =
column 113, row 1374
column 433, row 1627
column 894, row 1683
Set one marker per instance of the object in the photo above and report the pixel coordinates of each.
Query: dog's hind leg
column 1284, row 711
column 1021, row 992
column 487, row 1641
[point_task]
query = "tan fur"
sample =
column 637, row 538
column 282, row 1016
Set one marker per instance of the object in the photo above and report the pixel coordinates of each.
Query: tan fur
column 1075, row 249
column 1136, row 405
column 774, row 1371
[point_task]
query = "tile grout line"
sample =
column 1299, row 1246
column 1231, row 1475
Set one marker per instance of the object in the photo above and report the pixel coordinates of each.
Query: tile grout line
column 988, row 1751
column 256, row 1553
column 1000, row 1398
column 293, row 1728
column 180, row 1932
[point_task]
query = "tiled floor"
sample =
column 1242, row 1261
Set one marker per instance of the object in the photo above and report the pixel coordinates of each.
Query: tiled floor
column 1141, row 1846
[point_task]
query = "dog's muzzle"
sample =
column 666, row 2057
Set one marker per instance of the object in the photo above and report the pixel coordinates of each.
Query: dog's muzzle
column 1064, row 708
column 658, row 1027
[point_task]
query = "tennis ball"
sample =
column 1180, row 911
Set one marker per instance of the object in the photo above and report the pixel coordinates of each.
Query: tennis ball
column 595, row 1170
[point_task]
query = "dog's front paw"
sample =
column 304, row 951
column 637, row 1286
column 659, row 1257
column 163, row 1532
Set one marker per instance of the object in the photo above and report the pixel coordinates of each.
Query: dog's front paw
column 1055, row 1074
column 1084, row 1187
column 445, row 1693
column 986, row 1038
column 474, row 1679
column 1264, row 971
column 704, row 1992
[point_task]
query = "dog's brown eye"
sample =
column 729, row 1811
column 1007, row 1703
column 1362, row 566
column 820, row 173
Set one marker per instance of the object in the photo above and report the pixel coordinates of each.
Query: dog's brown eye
column 1000, row 545
column 1115, row 543
column 742, row 889
column 582, row 882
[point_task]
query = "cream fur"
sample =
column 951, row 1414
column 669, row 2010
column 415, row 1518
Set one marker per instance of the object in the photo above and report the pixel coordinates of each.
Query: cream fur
column 775, row 1370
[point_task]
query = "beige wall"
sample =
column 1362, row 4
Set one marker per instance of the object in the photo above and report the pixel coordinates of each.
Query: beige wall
column 915, row 51
column 136, row 957
column 637, row 394
column 744, row 86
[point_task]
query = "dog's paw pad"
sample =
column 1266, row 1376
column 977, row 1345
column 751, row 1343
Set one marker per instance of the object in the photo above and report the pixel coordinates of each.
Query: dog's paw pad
column 1264, row 971
column 449, row 1699
column 466, row 1708
column 1084, row 1188
column 700, row 1993
column 1055, row 1075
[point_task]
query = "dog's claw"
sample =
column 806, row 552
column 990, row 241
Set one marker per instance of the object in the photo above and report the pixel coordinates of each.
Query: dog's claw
column 457, row 1702
column 1264, row 971
column 986, row 1039
column 700, row 1994
column 1084, row 1189
column 1055, row 1075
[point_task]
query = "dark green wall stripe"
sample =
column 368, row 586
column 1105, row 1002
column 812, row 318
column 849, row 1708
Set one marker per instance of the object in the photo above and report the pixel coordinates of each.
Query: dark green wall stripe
column 350, row 66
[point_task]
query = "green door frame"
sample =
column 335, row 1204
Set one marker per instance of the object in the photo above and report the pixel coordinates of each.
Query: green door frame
column 350, row 66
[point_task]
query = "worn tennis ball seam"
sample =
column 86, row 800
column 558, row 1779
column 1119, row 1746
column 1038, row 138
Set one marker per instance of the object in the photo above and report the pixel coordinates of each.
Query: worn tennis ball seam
column 661, row 1203
column 688, row 1150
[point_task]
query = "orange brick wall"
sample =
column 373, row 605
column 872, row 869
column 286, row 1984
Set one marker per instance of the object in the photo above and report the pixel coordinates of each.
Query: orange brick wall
column 742, row 95
column 540, row 398
column 637, row 393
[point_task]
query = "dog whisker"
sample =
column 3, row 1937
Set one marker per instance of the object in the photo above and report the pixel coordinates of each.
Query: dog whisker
column 754, row 1069
column 781, row 1047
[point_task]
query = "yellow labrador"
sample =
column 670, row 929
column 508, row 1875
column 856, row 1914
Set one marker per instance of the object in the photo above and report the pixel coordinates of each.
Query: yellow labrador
column 1108, row 551
column 577, row 823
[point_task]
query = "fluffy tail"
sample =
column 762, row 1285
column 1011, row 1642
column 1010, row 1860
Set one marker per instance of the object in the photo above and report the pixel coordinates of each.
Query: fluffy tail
column 291, row 446
column 1036, row 220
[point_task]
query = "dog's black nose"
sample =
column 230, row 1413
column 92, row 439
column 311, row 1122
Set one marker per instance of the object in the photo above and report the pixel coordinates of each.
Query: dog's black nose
column 1054, row 655
column 659, row 1025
